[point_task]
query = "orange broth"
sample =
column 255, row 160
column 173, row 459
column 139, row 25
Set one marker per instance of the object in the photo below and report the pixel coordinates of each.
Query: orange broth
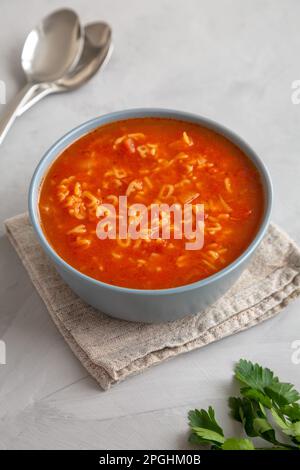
column 150, row 160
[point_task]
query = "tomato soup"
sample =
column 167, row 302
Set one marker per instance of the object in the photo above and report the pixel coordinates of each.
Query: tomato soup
column 150, row 160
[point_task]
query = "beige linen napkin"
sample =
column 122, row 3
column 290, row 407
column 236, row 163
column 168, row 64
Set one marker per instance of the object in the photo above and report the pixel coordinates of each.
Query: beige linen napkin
column 111, row 349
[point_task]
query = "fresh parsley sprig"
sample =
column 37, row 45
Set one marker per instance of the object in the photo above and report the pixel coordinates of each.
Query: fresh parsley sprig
column 265, row 402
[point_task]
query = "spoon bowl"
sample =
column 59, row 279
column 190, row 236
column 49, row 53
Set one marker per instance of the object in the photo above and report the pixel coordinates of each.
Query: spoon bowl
column 43, row 57
column 96, row 53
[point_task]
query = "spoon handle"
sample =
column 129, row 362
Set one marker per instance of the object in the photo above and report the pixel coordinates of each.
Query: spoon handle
column 43, row 90
column 12, row 108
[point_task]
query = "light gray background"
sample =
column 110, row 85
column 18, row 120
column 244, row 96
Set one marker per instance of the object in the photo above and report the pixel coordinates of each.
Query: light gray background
column 230, row 60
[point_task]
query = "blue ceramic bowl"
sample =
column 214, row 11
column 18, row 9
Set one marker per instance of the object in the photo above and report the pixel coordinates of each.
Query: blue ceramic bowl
column 137, row 304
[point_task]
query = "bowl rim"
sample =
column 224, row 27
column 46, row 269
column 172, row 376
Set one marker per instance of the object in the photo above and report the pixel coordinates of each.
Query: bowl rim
column 133, row 113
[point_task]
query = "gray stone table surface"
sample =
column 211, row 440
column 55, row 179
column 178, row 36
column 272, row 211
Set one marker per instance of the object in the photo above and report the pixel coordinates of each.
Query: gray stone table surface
column 233, row 61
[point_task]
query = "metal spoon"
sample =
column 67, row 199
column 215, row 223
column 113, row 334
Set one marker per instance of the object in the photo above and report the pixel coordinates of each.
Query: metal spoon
column 97, row 51
column 50, row 50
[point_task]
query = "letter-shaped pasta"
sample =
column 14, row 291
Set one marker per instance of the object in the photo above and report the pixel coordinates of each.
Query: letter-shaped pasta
column 135, row 185
column 166, row 191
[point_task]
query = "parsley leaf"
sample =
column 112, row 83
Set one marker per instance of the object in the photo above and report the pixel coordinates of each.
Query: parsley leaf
column 263, row 380
column 237, row 444
column 204, row 427
column 253, row 375
column 253, row 418
column 292, row 411
column 256, row 395
column 282, row 393
column 289, row 428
